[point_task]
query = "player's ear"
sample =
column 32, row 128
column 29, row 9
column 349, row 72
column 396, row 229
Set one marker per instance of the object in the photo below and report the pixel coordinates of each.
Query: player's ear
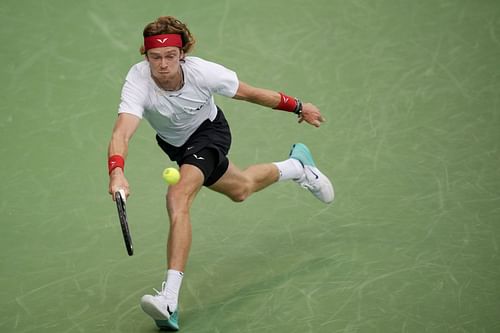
column 182, row 55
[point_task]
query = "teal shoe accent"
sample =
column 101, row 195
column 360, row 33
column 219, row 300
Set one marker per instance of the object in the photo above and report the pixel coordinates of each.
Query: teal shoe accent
column 301, row 153
column 312, row 179
column 171, row 324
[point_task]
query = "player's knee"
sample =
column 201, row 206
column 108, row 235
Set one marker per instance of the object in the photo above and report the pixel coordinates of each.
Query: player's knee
column 238, row 197
column 177, row 201
column 240, row 194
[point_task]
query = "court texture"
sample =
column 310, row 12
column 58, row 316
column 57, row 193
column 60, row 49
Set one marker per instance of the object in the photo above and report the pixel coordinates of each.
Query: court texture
column 411, row 94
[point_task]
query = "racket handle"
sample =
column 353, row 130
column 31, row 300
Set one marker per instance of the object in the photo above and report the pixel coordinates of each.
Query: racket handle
column 122, row 193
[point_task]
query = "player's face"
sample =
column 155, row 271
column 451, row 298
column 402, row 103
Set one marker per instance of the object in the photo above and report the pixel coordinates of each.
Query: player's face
column 164, row 62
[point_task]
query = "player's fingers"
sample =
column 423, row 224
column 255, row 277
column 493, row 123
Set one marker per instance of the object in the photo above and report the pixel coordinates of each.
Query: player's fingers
column 111, row 193
column 314, row 121
column 125, row 192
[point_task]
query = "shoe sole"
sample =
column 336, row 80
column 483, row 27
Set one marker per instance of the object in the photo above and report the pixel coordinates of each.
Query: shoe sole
column 163, row 322
column 152, row 311
column 166, row 325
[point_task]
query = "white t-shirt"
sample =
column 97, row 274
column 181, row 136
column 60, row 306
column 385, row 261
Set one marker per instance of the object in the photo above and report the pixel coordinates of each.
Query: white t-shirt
column 175, row 115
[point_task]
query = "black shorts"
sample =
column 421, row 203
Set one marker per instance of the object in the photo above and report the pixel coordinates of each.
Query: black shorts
column 206, row 148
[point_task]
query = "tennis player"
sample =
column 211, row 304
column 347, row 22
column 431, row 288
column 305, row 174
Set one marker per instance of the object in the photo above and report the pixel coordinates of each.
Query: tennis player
column 175, row 94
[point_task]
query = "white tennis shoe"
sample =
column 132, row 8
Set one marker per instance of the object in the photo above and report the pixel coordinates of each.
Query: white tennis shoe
column 157, row 308
column 312, row 179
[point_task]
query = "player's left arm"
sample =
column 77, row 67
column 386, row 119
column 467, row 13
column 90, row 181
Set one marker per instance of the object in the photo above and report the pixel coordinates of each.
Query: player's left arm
column 308, row 112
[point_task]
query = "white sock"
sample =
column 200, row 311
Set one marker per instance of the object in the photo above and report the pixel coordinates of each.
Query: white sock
column 290, row 169
column 173, row 283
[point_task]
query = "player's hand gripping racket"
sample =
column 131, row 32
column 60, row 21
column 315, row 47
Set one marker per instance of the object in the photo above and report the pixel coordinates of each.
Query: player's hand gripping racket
column 122, row 214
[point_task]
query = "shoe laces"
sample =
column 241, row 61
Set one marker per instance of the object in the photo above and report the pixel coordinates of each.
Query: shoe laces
column 309, row 180
column 163, row 291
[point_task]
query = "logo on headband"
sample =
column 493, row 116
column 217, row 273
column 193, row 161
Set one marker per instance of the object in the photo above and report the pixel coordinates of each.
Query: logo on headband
column 162, row 40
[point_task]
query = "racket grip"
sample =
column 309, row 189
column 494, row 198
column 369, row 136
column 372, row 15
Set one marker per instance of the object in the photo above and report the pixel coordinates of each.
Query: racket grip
column 122, row 193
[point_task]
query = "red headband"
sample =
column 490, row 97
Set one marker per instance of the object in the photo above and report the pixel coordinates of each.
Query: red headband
column 165, row 40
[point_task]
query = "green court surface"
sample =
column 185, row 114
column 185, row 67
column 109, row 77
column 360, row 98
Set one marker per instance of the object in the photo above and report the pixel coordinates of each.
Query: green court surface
column 411, row 93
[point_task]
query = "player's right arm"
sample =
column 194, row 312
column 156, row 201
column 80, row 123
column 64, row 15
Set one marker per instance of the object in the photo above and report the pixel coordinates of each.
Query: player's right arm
column 265, row 97
column 125, row 127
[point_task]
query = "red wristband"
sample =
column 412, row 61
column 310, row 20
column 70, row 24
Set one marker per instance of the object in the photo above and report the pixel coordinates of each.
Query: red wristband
column 287, row 103
column 115, row 161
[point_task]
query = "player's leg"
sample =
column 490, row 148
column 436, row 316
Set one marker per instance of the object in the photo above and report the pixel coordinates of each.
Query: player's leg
column 163, row 306
column 240, row 184
column 179, row 200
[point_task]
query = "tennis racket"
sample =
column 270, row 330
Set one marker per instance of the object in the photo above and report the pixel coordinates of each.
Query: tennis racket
column 122, row 214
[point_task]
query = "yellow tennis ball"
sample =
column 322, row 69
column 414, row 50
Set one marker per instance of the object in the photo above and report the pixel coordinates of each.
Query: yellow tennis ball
column 171, row 176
